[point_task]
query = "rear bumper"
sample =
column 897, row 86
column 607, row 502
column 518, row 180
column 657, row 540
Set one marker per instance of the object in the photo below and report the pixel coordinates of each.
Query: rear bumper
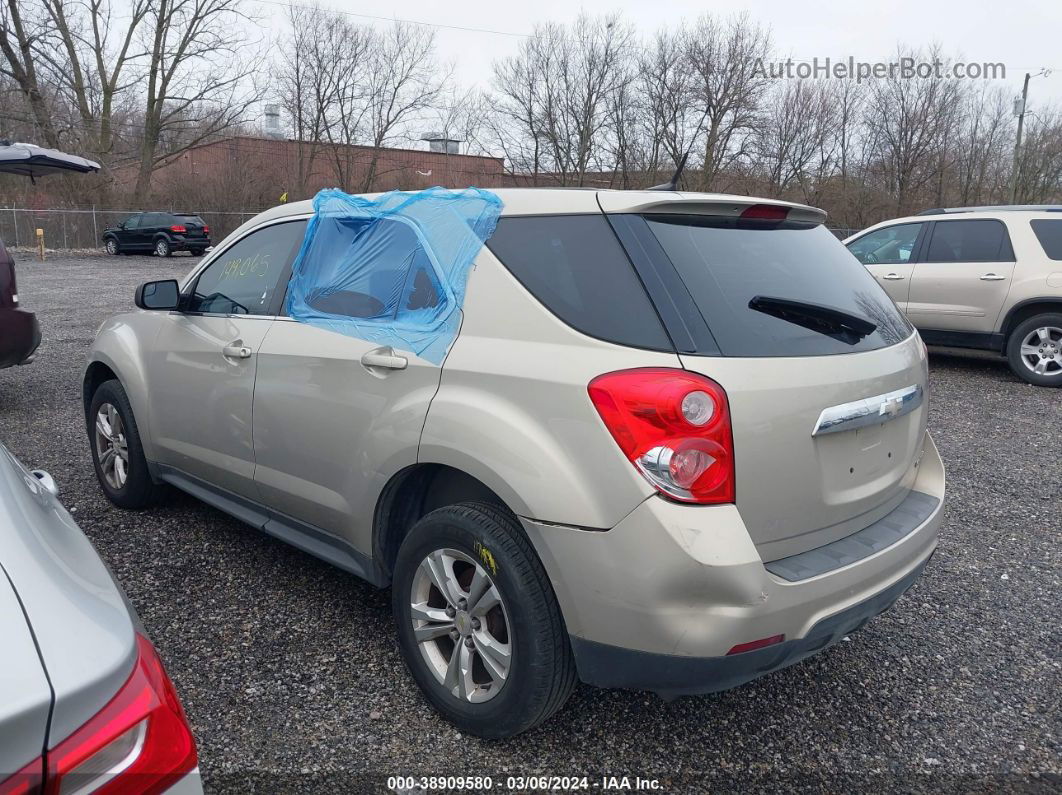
column 182, row 243
column 656, row 602
column 670, row 675
column 20, row 334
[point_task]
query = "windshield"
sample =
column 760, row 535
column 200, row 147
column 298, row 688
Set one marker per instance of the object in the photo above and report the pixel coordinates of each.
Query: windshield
column 819, row 299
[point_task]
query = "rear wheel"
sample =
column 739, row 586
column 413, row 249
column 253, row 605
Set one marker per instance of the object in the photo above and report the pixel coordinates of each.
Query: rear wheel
column 162, row 247
column 117, row 454
column 112, row 247
column 478, row 624
column 1034, row 350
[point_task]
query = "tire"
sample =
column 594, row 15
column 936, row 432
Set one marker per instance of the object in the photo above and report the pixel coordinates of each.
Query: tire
column 197, row 252
column 541, row 670
column 1041, row 337
column 137, row 490
column 112, row 247
column 163, row 247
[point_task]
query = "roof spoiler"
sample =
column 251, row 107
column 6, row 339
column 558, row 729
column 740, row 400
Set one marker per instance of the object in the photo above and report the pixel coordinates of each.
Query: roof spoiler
column 701, row 204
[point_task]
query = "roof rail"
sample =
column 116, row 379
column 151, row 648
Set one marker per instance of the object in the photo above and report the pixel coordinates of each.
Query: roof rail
column 1042, row 208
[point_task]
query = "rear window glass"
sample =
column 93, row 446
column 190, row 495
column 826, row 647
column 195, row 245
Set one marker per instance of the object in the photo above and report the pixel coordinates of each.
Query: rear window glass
column 189, row 219
column 1049, row 233
column 576, row 267
column 778, row 289
column 970, row 241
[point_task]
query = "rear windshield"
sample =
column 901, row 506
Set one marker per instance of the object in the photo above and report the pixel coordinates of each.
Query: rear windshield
column 1049, row 233
column 777, row 289
column 193, row 220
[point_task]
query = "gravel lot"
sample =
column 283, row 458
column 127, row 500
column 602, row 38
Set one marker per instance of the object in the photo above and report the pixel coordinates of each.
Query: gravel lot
column 290, row 673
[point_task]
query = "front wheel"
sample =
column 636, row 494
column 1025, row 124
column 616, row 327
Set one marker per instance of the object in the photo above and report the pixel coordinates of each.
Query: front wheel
column 112, row 247
column 1034, row 350
column 117, row 454
column 162, row 247
column 478, row 624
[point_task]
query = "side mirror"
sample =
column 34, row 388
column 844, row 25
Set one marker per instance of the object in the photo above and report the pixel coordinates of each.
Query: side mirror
column 164, row 294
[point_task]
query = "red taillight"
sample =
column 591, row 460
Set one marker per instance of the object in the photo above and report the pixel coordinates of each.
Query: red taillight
column 138, row 743
column 765, row 212
column 674, row 426
column 752, row 645
column 26, row 781
column 178, row 229
column 206, row 230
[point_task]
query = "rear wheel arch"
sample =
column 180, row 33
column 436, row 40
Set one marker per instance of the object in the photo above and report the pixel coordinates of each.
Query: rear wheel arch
column 1025, row 310
column 413, row 493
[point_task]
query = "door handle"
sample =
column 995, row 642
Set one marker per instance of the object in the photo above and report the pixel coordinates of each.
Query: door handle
column 236, row 352
column 386, row 358
column 992, row 277
column 892, row 277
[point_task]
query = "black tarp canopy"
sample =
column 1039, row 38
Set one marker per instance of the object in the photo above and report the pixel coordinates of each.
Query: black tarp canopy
column 32, row 161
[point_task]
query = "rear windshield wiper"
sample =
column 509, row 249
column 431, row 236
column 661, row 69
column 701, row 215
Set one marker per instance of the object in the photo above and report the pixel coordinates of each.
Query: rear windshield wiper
column 828, row 320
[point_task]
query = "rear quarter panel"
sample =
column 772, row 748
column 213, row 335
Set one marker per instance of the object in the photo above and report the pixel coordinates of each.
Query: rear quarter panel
column 1036, row 275
column 82, row 626
column 513, row 409
column 25, row 696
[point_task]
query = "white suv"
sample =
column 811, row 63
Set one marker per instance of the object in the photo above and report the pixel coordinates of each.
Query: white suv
column 977, row 277
column 678, row 440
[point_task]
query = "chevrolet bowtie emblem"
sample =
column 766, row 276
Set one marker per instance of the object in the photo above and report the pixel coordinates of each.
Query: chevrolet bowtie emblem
column 890, row 408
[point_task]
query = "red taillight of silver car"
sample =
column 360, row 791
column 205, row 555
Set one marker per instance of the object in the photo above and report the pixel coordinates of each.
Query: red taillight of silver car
column 674, row 426
column 139, row 742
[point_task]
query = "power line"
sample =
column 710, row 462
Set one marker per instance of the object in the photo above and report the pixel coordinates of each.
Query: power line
column 378, row 18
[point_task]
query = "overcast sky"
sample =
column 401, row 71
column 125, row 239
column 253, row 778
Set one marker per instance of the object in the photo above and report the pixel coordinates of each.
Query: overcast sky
column 1022, row 34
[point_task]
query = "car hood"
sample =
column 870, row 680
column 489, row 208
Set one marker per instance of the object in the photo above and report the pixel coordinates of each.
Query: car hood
column 83, row 628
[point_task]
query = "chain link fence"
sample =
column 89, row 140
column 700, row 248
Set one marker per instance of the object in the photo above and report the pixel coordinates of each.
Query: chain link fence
column 82, row 229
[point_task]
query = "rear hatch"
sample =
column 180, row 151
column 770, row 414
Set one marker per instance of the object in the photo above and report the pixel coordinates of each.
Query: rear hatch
column 195, row 227
column 825, row 377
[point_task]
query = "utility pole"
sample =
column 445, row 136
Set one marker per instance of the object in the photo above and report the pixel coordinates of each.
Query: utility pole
column 1020, row 113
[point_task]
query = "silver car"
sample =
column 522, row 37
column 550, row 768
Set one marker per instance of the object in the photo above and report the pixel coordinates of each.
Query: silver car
column 677, row 442
column 84, row 699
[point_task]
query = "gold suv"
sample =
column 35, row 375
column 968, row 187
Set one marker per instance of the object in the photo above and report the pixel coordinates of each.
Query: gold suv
column 977, row 277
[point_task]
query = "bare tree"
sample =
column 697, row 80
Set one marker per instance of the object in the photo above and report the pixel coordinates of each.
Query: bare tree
column 402, row 80
column 91, row 61
column 667, row 86
column 19, row 39
column 198, row 83
column 723, row 56
column 910, row 119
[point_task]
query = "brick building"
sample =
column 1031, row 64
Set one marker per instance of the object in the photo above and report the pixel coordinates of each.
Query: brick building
column 245, row 171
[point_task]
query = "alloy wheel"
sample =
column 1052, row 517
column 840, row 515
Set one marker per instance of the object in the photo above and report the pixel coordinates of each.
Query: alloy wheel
column 112, row 447
column 1041, row 350
column 162, row 248
column 461, row 625
column 112, row 246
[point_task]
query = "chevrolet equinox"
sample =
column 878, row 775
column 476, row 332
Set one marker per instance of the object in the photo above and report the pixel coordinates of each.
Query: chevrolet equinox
column 678, row 442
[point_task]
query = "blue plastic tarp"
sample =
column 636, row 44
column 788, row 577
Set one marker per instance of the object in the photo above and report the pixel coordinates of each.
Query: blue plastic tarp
column 391, row 270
